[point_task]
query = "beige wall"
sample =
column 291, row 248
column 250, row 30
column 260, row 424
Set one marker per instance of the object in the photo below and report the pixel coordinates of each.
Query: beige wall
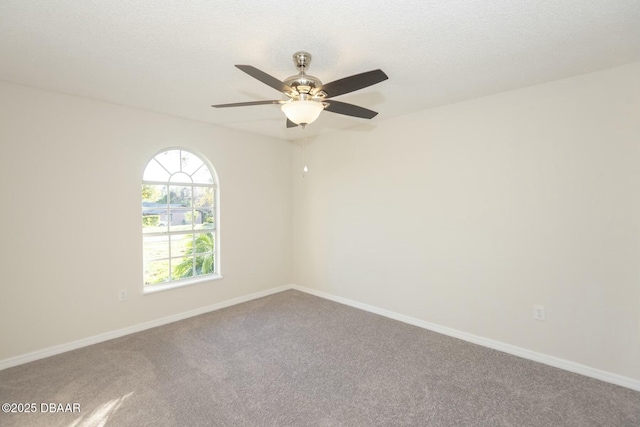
column 467, row 215
column 71, row 170
column 464, row 216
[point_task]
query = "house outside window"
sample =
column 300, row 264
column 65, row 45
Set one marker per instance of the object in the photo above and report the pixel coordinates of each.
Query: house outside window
column 179, row 220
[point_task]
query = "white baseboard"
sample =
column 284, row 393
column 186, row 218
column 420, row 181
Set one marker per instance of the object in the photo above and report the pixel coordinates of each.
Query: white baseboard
column 52, row 351
column 556, row 362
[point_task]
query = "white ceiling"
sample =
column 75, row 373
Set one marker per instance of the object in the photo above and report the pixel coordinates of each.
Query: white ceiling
column 176, row 56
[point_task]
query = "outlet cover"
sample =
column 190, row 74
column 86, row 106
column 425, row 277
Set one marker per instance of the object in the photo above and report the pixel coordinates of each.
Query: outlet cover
column 539, row 312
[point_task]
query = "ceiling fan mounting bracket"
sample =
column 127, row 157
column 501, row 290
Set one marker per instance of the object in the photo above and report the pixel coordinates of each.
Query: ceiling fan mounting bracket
column 302, row 60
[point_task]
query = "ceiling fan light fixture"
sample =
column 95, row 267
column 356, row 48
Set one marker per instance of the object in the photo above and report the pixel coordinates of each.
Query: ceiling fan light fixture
column 308, row 96
column 302, row 112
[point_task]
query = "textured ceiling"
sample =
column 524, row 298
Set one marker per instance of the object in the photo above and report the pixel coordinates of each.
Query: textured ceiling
column 176, row 57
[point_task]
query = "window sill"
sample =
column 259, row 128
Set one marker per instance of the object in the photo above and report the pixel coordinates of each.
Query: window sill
column 152, row 289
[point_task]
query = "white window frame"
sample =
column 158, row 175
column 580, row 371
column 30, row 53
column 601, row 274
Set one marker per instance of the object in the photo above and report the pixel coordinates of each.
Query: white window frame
column 178, row 283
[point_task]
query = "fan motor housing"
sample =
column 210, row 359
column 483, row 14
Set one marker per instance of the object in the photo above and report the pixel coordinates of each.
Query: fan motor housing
column 303, row 83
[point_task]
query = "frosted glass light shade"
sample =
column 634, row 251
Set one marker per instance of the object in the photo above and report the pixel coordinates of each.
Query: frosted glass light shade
column 302, row 112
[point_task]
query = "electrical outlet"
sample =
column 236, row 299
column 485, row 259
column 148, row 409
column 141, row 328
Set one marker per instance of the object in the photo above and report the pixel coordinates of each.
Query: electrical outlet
column 253, row 269
column 539, row 312
column 122, row 295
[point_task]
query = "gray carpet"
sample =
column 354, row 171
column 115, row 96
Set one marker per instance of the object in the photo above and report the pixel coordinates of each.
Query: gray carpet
column 292, row 359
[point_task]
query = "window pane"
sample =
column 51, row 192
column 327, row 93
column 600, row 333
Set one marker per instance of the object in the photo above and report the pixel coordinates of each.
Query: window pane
column 182, row 268
column 154, row 195
column 155, row 247
column 208, row 224
column 203, row 205
column 170, row 160
column 180, row 219
column 180, row 177
column 156, row 272
column 194, row 217
column 181, row 244
column 155, row 172
column 202, row 197
column 204, row 264
column 209, row 221
column 204, row 242
column 154, row 220
column 190, row 162
column 179, row 196
column 202, row 176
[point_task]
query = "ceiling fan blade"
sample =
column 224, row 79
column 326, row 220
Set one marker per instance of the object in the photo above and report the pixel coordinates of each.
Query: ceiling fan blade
column 352, row 83
column 349, row 109
column 266, row 78
column 290, row 124
column 246, row 104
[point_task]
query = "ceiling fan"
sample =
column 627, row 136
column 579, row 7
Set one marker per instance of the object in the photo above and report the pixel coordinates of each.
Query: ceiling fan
column 308, row 96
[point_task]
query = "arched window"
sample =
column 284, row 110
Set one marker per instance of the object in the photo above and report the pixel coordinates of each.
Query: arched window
column 179, row 220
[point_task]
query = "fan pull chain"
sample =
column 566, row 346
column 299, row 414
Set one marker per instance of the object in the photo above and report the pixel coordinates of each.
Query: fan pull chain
column 304, row 156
